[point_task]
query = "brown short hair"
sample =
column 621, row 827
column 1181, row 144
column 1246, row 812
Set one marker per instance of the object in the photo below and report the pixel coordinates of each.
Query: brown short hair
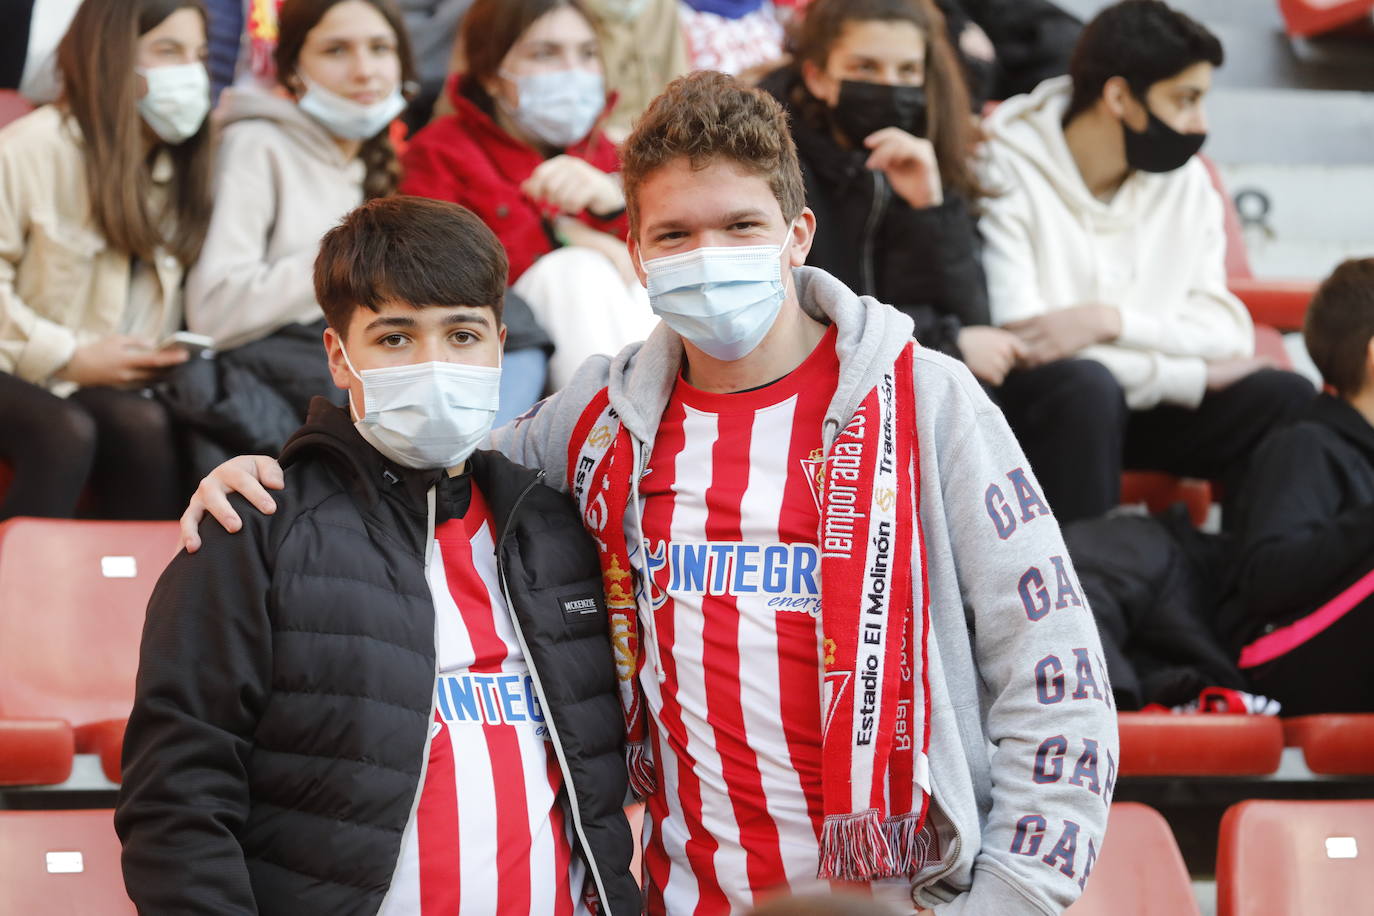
column 1340, row 324
column 705, row 116
column 411, row 250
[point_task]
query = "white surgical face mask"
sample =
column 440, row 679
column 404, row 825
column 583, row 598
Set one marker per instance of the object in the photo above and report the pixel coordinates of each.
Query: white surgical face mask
column 427, row 415
column 344, row 117
column 177, row 101
column 558, row 108
column 723, row 300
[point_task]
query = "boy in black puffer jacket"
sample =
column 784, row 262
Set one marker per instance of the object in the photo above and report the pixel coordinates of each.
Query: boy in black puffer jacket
column 395, row 694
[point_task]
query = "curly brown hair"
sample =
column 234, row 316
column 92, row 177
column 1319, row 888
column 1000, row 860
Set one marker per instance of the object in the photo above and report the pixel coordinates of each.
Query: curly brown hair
column 1339, row 325
column 705, row 116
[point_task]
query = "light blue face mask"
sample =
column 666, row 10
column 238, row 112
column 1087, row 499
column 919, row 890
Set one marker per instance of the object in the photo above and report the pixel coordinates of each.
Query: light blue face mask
column 723, row 299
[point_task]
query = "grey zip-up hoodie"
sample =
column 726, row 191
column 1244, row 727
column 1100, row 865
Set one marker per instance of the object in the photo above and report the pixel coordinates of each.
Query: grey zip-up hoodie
column 1023, row 746
column 281, row 183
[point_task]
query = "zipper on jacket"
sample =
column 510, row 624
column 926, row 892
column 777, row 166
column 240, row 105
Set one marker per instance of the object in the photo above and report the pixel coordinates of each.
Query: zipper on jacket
column 875, row 215
column 543, row 698
column 430, row 500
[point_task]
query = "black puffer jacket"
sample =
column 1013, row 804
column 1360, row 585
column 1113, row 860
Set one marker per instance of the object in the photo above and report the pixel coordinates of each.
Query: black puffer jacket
column 284, row 693
column 927, row 263
column 1153, row 586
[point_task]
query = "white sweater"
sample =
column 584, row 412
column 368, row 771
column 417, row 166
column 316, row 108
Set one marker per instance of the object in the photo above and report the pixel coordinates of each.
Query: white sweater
column 281, row 183
column 1156, row 252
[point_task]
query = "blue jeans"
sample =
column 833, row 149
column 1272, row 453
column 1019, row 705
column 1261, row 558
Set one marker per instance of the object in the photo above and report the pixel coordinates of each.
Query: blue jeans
column 523, row 374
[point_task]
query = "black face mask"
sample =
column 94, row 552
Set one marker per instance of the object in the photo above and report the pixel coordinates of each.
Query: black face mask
column 863, row 108
column 1159, row 148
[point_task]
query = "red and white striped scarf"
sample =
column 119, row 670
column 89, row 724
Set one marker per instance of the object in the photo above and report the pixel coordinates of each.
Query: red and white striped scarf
column 875, row 617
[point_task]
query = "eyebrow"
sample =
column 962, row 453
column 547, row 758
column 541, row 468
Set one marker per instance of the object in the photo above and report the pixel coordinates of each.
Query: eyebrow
column 472, row 316
column 734, row 216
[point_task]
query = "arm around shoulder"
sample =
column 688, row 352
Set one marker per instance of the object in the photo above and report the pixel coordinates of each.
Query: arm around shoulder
column 204, row 675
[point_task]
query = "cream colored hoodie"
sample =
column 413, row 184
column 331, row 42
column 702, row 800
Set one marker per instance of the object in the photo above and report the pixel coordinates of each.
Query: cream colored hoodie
column 281, row 183
column 1156, row 252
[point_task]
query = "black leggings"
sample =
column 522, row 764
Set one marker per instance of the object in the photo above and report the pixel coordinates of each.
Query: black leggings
column 119, row 442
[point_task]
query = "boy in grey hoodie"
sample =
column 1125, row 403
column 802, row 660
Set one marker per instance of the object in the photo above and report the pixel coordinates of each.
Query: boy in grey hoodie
column 851, row 643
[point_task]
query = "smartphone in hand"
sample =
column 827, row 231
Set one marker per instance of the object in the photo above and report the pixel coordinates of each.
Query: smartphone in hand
column 198, row 344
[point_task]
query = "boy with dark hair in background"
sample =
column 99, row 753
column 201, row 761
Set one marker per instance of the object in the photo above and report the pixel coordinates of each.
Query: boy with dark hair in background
column 1105, row 249
column 1302, row 615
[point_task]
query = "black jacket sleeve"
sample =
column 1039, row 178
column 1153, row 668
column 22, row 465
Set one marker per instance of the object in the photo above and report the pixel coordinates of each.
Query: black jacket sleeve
column 1300, row 541
column 934, row 267
column 204, row 672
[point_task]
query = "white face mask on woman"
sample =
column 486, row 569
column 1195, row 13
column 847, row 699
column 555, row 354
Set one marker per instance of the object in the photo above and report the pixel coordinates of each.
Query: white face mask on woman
column 558, row 108
column 427, row 415
column 345, row 118
column 177, row 100
column 722, row 299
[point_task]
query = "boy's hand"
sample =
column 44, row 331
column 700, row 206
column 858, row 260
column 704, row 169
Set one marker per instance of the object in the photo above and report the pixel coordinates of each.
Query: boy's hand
column 249, row 475
column 990, row 353
column 1062, row 333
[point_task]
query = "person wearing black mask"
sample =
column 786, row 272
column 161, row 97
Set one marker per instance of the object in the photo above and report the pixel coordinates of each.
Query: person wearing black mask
column 1105, row 255
column 880, row 114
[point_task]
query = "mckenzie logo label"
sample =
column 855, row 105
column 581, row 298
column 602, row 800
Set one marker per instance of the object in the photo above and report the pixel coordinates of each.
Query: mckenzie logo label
column 578, row 607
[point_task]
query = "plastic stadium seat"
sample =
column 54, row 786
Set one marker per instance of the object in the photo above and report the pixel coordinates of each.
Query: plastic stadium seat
column 1158, row 491
column 1335, row 743
column 1140, row 871
column 72, row 601
column 1198, row 744
column 1305, row 18
column 1296, row 858
column 61, row 863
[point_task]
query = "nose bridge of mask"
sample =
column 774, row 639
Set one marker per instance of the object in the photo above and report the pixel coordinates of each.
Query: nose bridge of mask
column 712, row 266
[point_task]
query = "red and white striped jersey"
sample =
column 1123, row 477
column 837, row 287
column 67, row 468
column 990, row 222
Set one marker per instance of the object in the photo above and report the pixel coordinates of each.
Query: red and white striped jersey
column 730, row 511
column 489, row 834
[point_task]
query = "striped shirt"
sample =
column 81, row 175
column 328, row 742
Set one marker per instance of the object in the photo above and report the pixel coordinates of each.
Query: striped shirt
column 489, row 834
column 730, row 510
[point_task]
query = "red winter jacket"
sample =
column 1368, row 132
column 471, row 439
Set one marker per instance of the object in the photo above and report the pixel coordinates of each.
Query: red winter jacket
column 467, row 158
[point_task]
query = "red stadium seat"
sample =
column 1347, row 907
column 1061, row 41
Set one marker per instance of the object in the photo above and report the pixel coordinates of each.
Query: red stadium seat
column 1296, row 858
column 1158, row 491
column 1198, row 744
column 1306, row 18
column 61, row 863
column 1140, row 871
column 1333, row 744
column 72, row 600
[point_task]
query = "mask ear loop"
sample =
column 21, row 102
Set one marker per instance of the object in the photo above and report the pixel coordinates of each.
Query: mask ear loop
column 352, row 409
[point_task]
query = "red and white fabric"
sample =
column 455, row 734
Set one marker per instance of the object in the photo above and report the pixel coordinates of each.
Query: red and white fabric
column 731, row 46
column 736, row 704
column 489, row 834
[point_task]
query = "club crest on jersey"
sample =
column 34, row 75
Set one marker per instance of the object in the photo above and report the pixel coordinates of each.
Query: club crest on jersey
column 814, row 466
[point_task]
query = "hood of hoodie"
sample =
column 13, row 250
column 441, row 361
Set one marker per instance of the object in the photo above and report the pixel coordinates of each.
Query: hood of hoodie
column 869, row 337
column 1026, row 133
column 250, row 104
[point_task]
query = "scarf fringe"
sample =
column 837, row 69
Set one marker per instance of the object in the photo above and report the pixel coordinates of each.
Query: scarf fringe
column 643, row 782
column 854, row 847
column 910, row 845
